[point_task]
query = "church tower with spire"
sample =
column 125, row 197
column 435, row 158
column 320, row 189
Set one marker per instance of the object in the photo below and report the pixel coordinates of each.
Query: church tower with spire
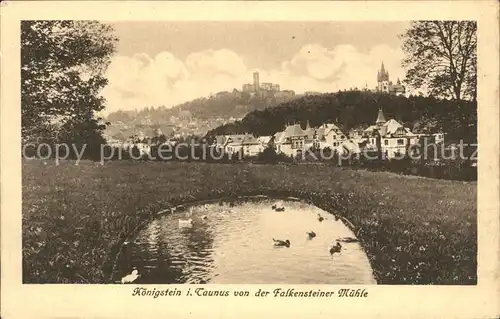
column 383, row 79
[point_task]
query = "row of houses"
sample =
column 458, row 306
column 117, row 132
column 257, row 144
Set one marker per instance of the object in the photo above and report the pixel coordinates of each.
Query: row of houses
column 388, row 135
column 246, row 143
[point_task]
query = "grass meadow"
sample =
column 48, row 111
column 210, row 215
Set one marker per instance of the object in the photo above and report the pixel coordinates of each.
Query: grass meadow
column 415, row 230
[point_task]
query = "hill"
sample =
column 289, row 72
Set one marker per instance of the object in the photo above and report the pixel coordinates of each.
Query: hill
column 194, row 117
column 352, row 109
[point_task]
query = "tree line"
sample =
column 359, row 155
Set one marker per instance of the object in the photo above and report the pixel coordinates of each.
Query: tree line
column 353, row 109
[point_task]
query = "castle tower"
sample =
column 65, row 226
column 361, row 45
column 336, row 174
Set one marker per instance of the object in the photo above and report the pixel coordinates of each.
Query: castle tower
column 256, row 81
column 383, row 79
column 380, row 118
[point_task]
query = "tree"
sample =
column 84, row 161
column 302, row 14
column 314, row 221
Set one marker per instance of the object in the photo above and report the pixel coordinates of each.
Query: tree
column 441, row 55
column 62, row 67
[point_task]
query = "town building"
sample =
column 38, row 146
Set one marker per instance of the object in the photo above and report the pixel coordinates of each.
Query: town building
column 231, row 144
column 391, row 136
column 294, row 140
column 250, row 146
column 385, row 85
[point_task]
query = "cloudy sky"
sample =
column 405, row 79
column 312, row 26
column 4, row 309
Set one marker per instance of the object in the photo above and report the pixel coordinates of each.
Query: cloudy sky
column 167, row 63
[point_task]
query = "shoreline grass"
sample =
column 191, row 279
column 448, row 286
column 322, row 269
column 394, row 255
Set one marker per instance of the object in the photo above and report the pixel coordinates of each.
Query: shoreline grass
column 75, row 218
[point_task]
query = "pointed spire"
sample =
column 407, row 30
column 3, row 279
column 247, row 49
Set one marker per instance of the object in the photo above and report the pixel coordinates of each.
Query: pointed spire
column 307, row 125
column 382, row 68
column 380, row 117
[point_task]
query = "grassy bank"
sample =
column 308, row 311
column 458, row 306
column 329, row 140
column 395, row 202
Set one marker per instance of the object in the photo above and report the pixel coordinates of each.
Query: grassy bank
column 415, row 230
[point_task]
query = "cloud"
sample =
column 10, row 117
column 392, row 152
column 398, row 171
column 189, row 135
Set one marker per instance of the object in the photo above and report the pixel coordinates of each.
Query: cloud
column 140, row 80
column 344, row 66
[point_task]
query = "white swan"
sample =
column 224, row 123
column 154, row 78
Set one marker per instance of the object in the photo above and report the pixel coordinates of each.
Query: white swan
column 130, row 278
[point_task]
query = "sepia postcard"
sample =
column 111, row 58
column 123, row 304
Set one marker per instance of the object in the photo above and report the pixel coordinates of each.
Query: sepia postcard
column 236, row 159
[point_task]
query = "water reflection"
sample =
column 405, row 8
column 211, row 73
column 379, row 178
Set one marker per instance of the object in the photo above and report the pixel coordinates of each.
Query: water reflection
column 234, row 245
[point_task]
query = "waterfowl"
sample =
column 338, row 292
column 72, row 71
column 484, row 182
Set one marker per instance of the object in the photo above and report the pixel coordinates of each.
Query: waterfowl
column 130, row 278
column 311, row 234
column 279, row 242
column 273, row 207
column 185, row 222
column 320, row 218
column 280, row 209
column 348, row 240
column 336, row 248
column 337, row 218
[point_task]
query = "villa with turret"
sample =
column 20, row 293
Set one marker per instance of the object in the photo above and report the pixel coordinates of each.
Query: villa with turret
column 388, row 135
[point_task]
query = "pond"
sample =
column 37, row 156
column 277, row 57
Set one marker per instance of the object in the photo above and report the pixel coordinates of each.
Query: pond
column 232, row 243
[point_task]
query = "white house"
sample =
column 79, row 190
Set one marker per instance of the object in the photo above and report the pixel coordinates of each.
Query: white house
column 250, row 145
column 394, row 138
column 335, row 138
column 229, row 144
column 294, row 139
column 234, row 143
column 291, row 141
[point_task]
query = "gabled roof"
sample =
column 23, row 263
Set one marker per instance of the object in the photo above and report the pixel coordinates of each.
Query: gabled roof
column 294, row 130
column 264, row 139
column 331, row 126
column 370, row 129
column 249, row 140
column 325, row 129
column 391, row 126
column 279, row 137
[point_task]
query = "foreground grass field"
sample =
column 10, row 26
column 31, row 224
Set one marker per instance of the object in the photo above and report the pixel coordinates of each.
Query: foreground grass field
column 75, row 218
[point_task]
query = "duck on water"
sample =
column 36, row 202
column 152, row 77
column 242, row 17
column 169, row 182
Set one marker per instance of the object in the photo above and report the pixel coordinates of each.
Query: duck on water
column 278, row 207
column 281, row 243
column 311, row 234
column 336, row 249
